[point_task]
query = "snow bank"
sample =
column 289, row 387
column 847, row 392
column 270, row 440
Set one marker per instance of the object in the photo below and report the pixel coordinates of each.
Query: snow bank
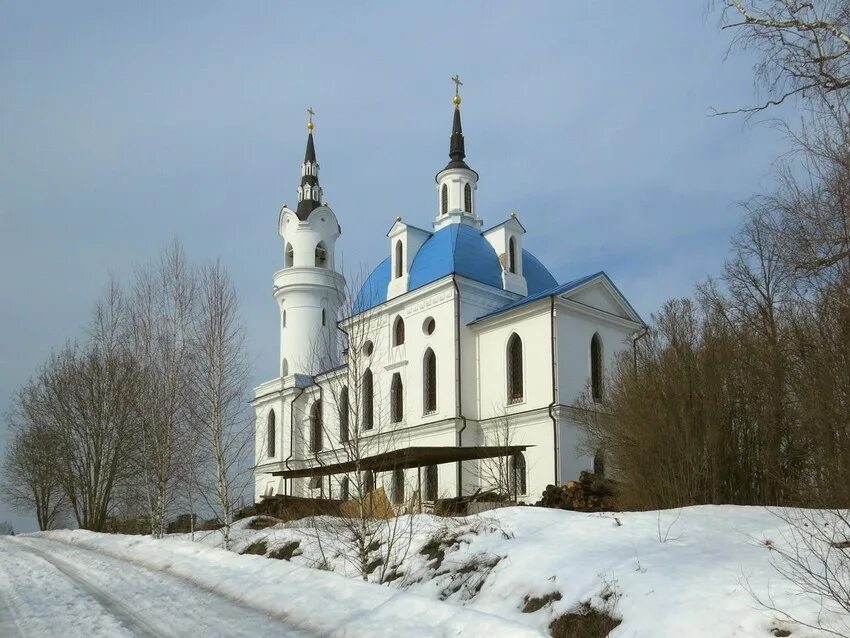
column 322, row 602
column 693, row 572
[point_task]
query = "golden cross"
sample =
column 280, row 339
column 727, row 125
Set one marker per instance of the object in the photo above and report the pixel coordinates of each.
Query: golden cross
column 311, row 112
column 458, row 83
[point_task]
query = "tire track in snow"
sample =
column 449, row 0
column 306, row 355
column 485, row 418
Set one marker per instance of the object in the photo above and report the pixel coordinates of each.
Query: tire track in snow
column 131, row 619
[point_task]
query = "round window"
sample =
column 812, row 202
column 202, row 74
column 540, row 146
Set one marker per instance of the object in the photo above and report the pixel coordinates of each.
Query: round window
column 368, row 348
column 428, row 326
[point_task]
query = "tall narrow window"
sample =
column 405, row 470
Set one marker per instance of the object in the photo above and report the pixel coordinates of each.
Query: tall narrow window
column 271, row 433
column 467, row 198
column 596, row 367
column 398, row 331
column 368, row 401
column 344, row 410
column 343, row 488
column 444, row 199
column 368, row 481
column 396, row 399
column 399, row 259
column 518, row 478
column 511, row 255
column 290, row 256
column 284, row 368
column 324, row 317
column 514, row 366
column 316, row 427
column 431, row 483
column 284, row 317
column 321, row 255
column 398, row 486
column 429, row 381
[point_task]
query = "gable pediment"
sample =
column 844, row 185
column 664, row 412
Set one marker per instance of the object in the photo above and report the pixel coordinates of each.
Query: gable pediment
column 600, row 294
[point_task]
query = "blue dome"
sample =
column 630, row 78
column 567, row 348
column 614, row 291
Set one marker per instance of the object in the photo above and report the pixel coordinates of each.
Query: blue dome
column 458, row 249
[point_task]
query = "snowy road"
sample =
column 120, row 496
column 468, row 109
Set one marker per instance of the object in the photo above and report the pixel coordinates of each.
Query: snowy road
column 48, row 588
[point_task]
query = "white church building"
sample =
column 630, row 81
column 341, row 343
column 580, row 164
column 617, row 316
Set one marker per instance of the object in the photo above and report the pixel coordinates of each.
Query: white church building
column 459, row 355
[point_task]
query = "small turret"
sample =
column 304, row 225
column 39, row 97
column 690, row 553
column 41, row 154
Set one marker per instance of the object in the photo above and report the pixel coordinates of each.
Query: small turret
column 457, row 182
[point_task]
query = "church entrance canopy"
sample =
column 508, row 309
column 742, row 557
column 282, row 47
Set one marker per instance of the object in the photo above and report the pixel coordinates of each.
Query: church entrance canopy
column 404, row 458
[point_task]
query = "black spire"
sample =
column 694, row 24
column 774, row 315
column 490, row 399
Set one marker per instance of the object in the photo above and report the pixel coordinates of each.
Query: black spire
column 456, row 149
column 309, row 193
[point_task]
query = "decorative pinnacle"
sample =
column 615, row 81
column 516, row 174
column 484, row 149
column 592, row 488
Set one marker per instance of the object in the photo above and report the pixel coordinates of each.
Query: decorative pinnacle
column 398, row 218
column 311, row 113
column 513, row 213
column 456, row 99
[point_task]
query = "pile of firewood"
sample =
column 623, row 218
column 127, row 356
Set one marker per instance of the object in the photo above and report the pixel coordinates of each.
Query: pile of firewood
column 590, row 493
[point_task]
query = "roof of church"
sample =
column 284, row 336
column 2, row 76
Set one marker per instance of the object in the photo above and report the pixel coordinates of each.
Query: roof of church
column 456, row 249
column 556, row 290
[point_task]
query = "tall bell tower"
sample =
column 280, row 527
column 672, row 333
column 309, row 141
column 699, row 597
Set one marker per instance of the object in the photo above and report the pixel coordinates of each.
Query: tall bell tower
column 308, row 289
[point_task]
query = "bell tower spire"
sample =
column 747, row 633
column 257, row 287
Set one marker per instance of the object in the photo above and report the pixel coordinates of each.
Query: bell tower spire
column 310, row 195
column 308, row 289
column 457, row 182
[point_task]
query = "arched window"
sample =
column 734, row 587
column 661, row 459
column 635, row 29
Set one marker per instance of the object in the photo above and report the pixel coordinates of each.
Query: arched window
column 316, row 427
column 284, row 368
column 596, row 367
column 398, row 486
column 344, row 410
column 429, row 381
column 599, row 463
column 511, row 255
column 398, row 331
column 444, row 199
column 467, row 198
column 321, row 255
column 290, row 256
column 431, row 483
column 399, row 259
column 271, row 433
column 284, row 317
column 368, row 400
column 343, row 488
column 517, row 477
column 316, row 484
column 514, row 368
column 368, row 481
column 396, row 399
column 324, row 317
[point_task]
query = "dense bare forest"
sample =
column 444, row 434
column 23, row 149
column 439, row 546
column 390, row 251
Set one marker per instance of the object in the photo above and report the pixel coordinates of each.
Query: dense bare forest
column 741, row 392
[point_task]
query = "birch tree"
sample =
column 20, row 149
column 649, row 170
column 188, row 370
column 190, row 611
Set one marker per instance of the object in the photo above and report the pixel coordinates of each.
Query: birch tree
column 218, row 378
column 159, row 319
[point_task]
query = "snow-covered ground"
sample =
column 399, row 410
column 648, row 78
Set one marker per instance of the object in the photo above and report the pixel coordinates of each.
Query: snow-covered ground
column 691, row 572
column 49, row 588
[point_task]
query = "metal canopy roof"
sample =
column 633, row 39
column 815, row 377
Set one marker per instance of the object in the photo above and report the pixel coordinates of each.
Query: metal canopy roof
column 406, row 458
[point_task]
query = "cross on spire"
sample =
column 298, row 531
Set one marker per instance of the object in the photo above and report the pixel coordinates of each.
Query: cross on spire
column 458, row 83
column 311, row 113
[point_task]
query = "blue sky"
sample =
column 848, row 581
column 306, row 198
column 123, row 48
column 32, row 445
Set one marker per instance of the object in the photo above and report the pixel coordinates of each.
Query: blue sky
column 124, row 125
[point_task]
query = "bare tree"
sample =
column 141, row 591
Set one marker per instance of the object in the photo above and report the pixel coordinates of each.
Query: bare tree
column 159, row 334
column 357, row 423
column 813, row 555
column 218, row 378
column 29, row 481
column 89, row 405
column 803, row 46
column 497, row 473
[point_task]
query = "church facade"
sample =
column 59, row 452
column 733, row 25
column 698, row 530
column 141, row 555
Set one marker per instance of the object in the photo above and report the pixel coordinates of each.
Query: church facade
column 454, row 366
